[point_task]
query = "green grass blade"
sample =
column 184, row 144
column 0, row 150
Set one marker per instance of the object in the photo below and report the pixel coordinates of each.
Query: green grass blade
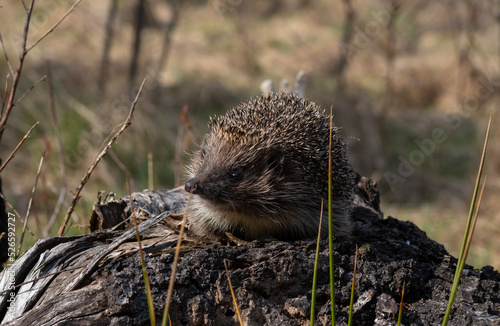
column 349, row 323
column 473, row 227
column 330, row 224
column 315, row 272
column 151, row 309
column 462, row 257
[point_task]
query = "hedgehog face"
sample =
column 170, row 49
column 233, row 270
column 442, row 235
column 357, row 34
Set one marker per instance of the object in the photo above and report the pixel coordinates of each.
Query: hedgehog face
column 239, row 177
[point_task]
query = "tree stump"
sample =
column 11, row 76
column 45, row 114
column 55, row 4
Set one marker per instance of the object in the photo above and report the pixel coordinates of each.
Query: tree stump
column 96, row 279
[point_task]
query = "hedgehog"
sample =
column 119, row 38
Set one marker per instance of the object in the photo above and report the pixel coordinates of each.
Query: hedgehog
column 262, row 171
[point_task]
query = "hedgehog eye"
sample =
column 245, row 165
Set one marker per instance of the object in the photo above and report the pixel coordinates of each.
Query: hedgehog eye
column 235, row 176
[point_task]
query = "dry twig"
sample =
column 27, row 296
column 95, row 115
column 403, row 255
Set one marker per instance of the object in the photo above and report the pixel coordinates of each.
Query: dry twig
column 6, row 56
column 62, row 193
column 53, row 27
column 11, row 156
column 17, row 215
column 123, row 167
column 17, row 74
column 4, row 95
column 30, row 89
column 30, row 203
column 99, row 157
column 11, row 102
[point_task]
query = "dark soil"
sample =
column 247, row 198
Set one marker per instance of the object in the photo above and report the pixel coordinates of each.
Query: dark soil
column 272, row 281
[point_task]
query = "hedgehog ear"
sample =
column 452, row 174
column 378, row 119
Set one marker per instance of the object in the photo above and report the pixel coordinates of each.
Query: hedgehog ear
column 276, row 161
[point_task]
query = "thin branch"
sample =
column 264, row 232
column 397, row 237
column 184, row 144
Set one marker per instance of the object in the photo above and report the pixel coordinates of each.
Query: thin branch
column 62, row 193
column 6, row 57
column 11, row 156
column 99, row 157
column 54, row 26
column 17, row 75
column 30, row 89
column 4, row 96
column 30, row 203
column 123, row 167
column 17, row 215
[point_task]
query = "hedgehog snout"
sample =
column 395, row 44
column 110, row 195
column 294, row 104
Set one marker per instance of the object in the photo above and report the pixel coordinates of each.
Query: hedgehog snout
column 193, row 185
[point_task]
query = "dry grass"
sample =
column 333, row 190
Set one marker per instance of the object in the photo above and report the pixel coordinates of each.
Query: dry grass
column 397, row 89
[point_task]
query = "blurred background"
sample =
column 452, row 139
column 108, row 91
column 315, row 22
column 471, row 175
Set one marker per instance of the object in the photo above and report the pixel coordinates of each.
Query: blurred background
column 412, row 84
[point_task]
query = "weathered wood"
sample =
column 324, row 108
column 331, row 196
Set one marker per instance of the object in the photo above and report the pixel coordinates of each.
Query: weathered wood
column 56, row 266
column 111, row 213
